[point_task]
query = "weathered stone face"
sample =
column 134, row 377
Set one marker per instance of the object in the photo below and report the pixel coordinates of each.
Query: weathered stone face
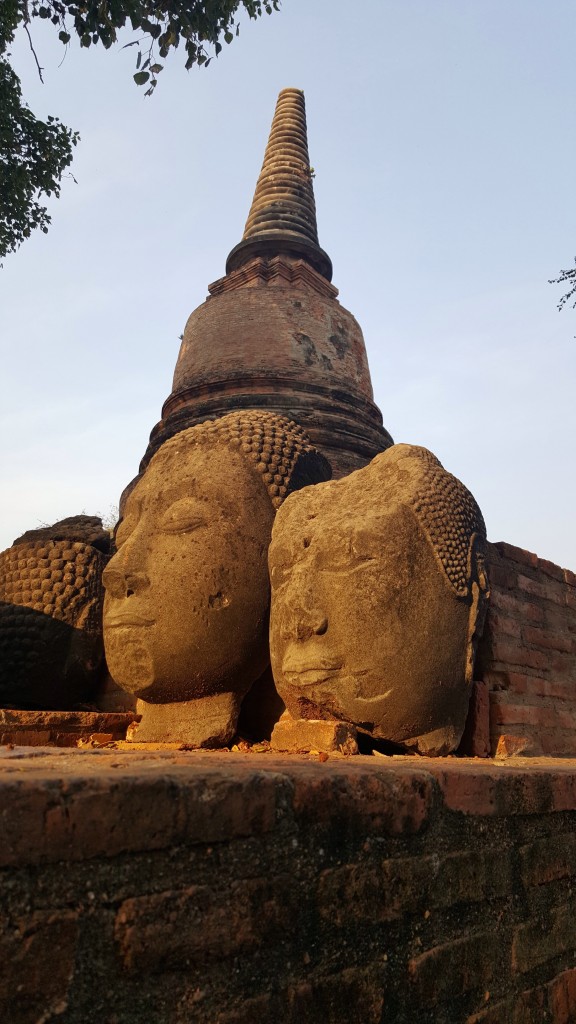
column 51, row 616
column 378, row 592
column 187, row 593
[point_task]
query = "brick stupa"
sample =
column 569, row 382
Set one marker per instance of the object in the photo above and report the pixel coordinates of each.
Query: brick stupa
column 272, row 334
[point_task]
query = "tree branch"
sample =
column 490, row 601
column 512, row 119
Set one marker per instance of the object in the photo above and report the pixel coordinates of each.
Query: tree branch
column 40, row 70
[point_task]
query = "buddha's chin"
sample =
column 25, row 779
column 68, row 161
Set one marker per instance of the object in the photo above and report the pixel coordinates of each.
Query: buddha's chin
column 129, row 661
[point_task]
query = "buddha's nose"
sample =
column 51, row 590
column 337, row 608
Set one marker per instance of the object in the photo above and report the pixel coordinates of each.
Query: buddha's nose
column 120, row 583
column 304, row 616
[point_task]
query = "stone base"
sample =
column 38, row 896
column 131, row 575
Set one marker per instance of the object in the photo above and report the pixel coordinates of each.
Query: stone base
column 188, row 887
column 62, row 728
column 301, row 735
column 207, row 722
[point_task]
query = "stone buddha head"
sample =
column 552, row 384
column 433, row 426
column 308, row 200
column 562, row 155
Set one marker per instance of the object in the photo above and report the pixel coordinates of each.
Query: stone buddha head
column 51, row 596
column 187, row 593
column 378, row 598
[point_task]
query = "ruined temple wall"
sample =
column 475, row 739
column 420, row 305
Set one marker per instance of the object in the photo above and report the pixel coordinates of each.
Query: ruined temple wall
column 527, row 656
column 186, row 888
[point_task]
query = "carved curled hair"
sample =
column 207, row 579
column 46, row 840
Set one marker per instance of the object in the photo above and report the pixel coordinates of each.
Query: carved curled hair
column 279, row 449
column 448, row 514
column 58, row 578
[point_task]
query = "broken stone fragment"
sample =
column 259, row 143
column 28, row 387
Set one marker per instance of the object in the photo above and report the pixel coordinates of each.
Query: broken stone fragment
column 299, row 735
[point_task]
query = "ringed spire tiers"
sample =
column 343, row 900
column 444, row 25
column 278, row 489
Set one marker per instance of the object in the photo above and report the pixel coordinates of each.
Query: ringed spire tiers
column 272, row 334
column 282, row 217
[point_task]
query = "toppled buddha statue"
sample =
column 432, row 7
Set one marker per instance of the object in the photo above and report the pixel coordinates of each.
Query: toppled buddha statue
column 51, row 597
column 187, row 593
column 378, row 598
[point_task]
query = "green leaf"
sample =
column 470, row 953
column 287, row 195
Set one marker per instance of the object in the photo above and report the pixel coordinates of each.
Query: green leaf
column 141, row 77
column 64, row 37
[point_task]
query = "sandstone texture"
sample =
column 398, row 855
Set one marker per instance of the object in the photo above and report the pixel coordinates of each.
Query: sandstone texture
column 187, row 593
column 302, row 734
column 378, row 599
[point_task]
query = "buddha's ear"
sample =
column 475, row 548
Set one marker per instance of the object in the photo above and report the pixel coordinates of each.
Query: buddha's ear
column 479, row 597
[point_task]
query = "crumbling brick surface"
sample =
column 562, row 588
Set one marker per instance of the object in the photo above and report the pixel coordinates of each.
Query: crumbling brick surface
column 527, row 656
column 179, row 887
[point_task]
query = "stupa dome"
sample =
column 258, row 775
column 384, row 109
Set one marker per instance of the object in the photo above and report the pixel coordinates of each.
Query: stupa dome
column 272, row 334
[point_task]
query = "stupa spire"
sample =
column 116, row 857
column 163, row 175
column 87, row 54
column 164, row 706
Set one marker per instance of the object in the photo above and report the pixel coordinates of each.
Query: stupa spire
column 282, row 217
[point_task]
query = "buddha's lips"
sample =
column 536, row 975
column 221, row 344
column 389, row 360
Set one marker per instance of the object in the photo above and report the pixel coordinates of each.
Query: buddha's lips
column 308, row 671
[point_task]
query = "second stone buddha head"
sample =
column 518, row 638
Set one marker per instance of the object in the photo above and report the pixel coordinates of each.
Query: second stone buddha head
column 378, row 598
column 187, row 593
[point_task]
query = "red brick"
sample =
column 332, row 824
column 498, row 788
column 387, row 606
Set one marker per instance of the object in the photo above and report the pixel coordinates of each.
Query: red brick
column 354, row 994
column 259, row 1008
column 548, row 590
column 562, row 997
column 46, row 819
column 538, row 687
column 494, row 1013
column 563, row 666
column 570, row 577
column 487, row 788
column 558, row 742
column 529, row 685
column 560, row 618
column 502, row 577
column 381, row 801
column 374, row 892
column 516, row 554
column 551, row 569
column 563, row 790
column 472, row 876
column 546, row 860
column 455, row 967
column 516, row 605
column 505, row 653
column 545, row 638
column 507, row 709
column 37, row 961
column 169, row 930
column 504, row 625
column 553, row 932
column 527, row 1007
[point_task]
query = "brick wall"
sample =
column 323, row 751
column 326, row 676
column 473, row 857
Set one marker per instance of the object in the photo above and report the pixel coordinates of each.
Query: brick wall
column 176, row 888
column 527, row 657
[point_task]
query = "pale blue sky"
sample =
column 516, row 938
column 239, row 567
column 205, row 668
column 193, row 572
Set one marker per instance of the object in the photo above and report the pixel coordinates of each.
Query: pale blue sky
column 442, row 136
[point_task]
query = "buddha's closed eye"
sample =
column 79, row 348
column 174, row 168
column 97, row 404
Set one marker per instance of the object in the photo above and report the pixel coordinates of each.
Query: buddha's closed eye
column 183, row 516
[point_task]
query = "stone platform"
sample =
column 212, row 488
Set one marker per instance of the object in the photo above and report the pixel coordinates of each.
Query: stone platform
column 173, row 886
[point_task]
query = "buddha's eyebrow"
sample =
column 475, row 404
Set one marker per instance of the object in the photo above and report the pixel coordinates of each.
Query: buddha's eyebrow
column 174, row 492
